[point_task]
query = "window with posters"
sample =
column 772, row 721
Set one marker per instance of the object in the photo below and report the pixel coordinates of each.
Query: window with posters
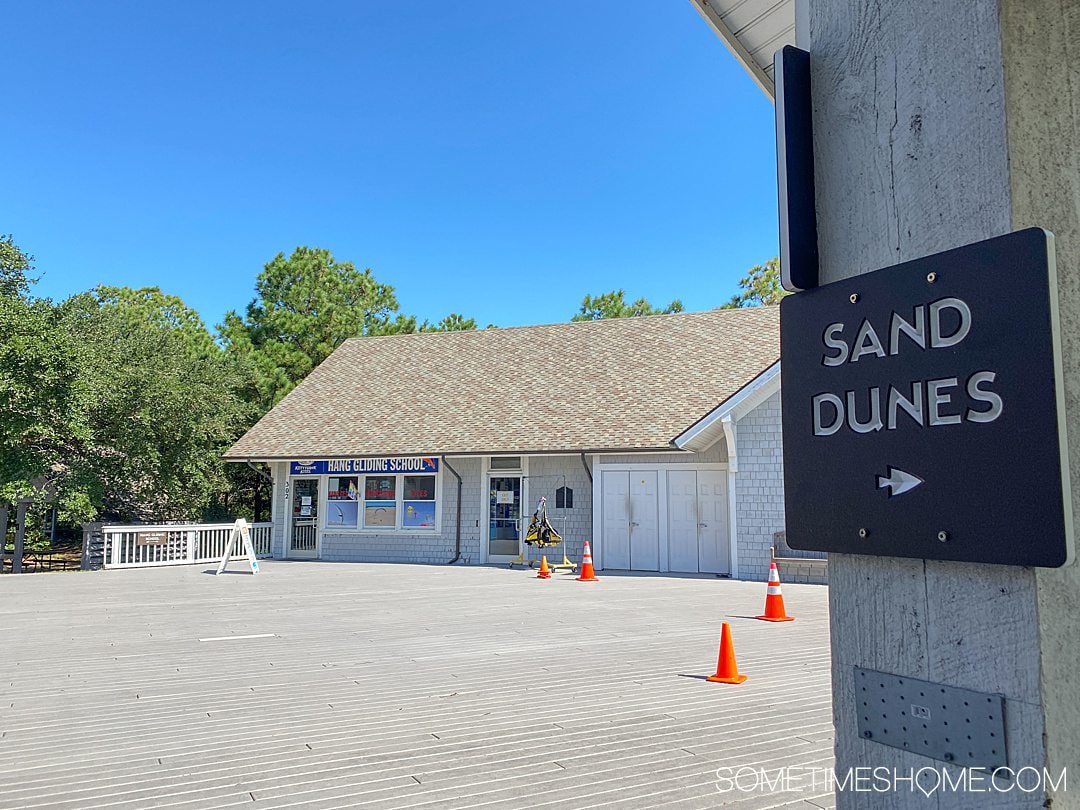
column 418, row 502
column 380, row 501
column 342, row 501
column 377, row 494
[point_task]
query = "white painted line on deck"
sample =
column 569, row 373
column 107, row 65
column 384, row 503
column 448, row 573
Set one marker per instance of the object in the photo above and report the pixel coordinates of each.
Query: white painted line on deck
column 231, row 638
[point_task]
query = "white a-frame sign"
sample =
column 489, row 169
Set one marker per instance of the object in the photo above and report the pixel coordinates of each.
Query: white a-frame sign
column 239, row 541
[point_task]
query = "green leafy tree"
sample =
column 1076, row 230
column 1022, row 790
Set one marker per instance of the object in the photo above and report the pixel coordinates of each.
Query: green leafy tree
column 114, row 403
column 150, row 307
column 15, row 268
column 451, row 323
column 759, row 287
column 614, row 305
column 119, row 402
column 38, row 384
column 43, row 414
column 161, row 401
column 305, row 306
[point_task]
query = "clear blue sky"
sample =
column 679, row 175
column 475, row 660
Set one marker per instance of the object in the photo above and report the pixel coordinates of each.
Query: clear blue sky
column 496, row 159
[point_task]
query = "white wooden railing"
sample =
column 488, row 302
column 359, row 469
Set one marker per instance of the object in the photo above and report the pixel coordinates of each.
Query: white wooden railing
column 184, row 544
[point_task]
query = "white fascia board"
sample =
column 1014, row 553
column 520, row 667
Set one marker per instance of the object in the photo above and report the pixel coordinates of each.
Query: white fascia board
column 727, row 36
column 710, row 429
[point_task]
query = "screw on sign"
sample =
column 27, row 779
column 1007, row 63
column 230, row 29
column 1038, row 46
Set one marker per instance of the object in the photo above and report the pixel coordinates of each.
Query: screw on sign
column 915, row 396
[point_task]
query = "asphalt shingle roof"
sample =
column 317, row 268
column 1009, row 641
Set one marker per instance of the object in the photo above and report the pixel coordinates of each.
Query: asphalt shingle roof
column 621, row 384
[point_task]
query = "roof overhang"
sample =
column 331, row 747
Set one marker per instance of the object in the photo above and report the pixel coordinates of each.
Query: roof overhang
column 753, row 30
column 720, row 422
column 622, row 451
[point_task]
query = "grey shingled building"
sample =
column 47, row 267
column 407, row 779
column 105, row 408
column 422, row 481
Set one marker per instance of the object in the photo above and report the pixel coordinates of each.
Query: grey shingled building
column 657, row 439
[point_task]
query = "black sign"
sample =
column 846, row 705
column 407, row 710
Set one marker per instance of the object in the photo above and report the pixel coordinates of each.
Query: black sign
column 923, row 409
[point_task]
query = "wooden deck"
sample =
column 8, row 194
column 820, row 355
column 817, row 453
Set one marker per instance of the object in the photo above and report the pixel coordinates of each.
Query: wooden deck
column 400, row 686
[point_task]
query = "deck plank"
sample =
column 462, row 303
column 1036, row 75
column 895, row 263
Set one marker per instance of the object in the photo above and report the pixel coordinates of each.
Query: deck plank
column 400, row 686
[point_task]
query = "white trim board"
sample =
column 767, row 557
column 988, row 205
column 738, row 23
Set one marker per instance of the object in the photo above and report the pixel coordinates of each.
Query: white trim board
column 735, row 46
column 710, row 428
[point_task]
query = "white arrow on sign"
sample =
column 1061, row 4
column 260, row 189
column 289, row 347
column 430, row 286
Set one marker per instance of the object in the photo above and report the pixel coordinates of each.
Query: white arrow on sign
column 898, row 482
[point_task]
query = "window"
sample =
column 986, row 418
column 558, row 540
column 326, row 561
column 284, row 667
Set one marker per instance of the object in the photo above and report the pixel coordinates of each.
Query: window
column 419, row 502
column 564, row 498
column 506, row 463
column 342, row 498
column 385, row 502
column 380, row 501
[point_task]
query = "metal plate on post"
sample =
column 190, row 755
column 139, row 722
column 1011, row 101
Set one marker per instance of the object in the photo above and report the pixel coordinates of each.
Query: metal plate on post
column 942, row 722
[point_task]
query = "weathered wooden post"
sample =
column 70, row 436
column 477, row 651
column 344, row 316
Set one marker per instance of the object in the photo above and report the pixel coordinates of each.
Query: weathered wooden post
column 3, row 534
column 20, row 534
column 93, row 547
column 937, row 125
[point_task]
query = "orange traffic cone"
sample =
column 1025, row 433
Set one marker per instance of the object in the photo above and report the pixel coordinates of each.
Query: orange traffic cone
column 727, row 671
column 588, row 573
column 774, row 600
column 545, row 572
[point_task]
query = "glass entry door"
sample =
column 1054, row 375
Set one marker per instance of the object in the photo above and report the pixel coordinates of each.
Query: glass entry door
column 504, row 518
column 303, row 534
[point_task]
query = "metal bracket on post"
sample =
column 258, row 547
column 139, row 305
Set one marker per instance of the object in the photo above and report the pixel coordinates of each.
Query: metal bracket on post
column 943, row 722
column 795, row 169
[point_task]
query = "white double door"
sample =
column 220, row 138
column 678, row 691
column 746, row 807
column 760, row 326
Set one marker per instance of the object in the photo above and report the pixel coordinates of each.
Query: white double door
column 698, row 522
column 692, row 526
column 631, row 520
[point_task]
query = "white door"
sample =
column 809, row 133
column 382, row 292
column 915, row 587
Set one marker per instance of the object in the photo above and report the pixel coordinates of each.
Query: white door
column 682, row 521
column 714, row 550
column 615, row 518
column 644, row 522
column 504, row 518
column 304, row 521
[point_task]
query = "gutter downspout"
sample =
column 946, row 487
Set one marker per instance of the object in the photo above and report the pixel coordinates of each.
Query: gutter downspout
column 585, row 464
column 457, row 537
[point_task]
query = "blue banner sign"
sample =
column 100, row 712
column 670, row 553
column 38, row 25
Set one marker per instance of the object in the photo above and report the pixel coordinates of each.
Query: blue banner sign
column 339, row 466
